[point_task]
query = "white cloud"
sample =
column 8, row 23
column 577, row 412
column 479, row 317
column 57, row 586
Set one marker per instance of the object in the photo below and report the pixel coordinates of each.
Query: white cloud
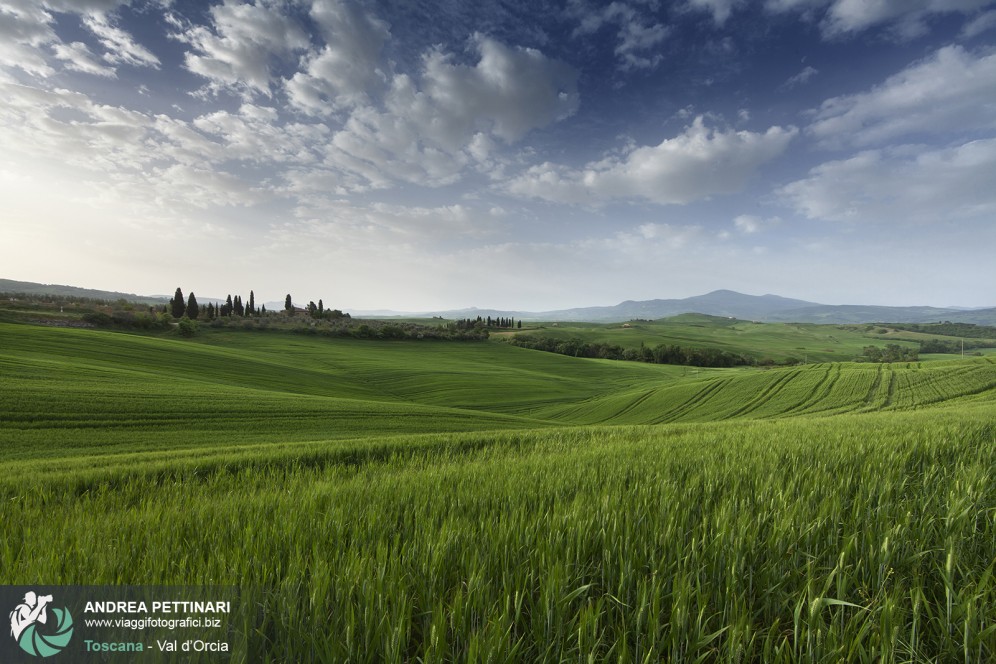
column 900, row 185
column 905, row 18
column 801, row 78
column 636, row 35
column 695, row 165
column 237, row 54
column 433, row 127
column 337, row 219
column 71, row 129
column 720, row 9
column 748, row 224
column 78, row 57
column 24, row 29
column 155, row 163
column 254, row 135
column 984, row 22
column 343, row 72
column 509, row 91
column 950, row 90
column 121, row 47
column 201, row 188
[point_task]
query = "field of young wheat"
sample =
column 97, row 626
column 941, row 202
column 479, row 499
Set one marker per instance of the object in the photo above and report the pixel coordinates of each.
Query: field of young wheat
column 435, row 502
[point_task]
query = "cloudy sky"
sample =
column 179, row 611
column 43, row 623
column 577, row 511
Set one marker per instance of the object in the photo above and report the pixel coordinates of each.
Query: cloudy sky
column 518, row 154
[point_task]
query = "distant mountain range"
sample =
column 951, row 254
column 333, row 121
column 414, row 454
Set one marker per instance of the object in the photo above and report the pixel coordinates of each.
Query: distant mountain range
column 31, row 288
column 764, row 308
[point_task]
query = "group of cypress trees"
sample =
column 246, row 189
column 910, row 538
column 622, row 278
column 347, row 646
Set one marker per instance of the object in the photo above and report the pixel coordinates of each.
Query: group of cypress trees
column 179, row 307
column 235, row 306
column 470, row 323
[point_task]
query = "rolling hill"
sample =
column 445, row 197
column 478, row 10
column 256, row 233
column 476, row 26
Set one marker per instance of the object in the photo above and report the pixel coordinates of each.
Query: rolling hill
column 403, row 501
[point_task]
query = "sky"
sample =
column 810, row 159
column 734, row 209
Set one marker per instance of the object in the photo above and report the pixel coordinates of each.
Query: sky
column 516, row 154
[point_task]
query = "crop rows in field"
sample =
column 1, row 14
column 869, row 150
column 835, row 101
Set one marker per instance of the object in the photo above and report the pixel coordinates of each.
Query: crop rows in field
column 789, row 541
column 409, row 502
column 65, row 390
column 816, row 389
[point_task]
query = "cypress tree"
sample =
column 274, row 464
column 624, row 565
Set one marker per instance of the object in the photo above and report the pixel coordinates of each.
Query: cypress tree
column 252, row 304
column 192, row 309
column 229, row 307
column 239, row 309
column 177, row 305
column 321, row 308
column 289, row 305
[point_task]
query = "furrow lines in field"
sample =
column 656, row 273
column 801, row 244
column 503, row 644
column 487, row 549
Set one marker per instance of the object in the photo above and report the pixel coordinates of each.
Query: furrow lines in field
column 766, row 394
column 699, row 397
column 811, row 395
column 634, row 403
column 873, row 390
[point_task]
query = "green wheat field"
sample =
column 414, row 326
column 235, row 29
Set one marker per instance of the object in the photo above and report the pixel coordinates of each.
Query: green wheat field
column 409, row 501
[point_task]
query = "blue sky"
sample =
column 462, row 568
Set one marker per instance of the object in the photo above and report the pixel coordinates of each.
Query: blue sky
column 519, row 155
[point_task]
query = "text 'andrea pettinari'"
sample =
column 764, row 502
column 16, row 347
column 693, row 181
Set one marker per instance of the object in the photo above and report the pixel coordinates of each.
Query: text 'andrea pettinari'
column 172, row 606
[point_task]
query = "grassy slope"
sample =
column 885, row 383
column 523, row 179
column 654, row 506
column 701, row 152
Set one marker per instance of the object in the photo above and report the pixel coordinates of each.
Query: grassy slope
column 289, row 465
column 70, row 391
column 775, row 341
column 84, row 391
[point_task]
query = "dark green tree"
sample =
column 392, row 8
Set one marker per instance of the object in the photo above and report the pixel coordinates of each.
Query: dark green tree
column 239, row 309
column 321, row 308
column 177, row 305
column 192, row 309
column 228, row 307
column 187, row 327
column 289, row 305
column 252, row 304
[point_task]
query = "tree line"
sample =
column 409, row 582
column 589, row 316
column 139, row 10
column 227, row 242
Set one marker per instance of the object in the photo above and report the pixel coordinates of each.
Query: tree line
column 489, row 322
column 180, row 307
column 891, row 353
column 660, row 354
column 949, row 329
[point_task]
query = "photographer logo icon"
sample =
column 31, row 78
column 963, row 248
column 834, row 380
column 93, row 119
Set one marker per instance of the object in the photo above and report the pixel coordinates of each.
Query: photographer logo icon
column 34, row 633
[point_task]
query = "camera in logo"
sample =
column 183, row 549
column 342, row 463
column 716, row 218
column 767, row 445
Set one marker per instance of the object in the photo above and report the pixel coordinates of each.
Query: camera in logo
column 31, row 628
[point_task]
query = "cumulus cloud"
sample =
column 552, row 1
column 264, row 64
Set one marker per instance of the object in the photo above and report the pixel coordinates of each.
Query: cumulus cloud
column 121, row 48
column 25, row 28
column 950, row 88
column 254, row 135
column 695, row 165
column 70, row 128
column 905, row 18
column 236, row 55
column 636, row 35
column 342, row 73
column 900, row 185
column 433, row 127
column 78, row 57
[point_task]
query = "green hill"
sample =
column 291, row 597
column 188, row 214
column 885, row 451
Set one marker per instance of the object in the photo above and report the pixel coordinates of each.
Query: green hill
column 425, row 501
